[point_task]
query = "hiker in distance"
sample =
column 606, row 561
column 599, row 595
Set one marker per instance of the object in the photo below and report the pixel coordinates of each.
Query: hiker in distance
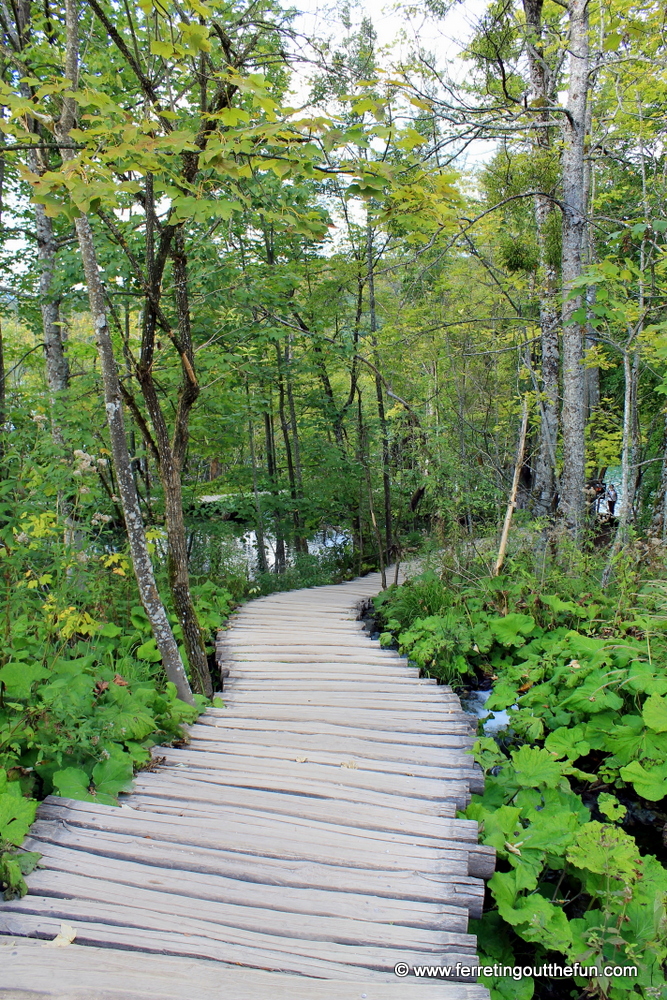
column 612, row 497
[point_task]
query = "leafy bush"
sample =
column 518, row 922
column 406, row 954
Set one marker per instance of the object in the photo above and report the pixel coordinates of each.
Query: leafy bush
column 582, row 677
column 16, row 814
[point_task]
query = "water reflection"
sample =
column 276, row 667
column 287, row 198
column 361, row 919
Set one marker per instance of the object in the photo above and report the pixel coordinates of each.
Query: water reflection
column 236, row 551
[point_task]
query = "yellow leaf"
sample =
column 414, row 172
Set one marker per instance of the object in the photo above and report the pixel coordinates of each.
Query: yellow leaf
column 66, row 936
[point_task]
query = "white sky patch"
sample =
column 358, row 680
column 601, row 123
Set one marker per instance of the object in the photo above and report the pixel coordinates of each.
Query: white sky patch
column 402, row 29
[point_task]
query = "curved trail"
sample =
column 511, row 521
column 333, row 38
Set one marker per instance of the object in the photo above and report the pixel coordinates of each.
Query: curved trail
column 308, row 830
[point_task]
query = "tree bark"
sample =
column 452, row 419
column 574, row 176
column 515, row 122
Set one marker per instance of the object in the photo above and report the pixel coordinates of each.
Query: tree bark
column 544, row 483
column 141, row 562
column 292, row 449
column 659, row 519
column 369, row 487
column 379, row 393
column 259, row 524
column 272, row 469
column 170, row 452
column 572, row 500
column 57, row 365
column 511, row 504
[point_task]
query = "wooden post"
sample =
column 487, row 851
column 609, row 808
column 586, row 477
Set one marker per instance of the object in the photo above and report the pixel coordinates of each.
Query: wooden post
column 515, row 488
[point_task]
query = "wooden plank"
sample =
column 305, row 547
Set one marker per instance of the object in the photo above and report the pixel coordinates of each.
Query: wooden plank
column 317, row 807
column 455, row 766
column 173, row 934
column 340, row 672
column 230, row 918
column 400, row 785
column 309, row 727
column 272, row 653
column 409, row 884
column 306, row 681
column 291, row 899
column 29, row 972
column 181, row 796
column 274, row 636
column 275, row 840
column 367, row 746
column 304, row 784
column 405, row 721
column 334, row 692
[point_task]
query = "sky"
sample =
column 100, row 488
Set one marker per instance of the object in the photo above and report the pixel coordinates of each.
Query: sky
column 446, row 36
column 401, row 27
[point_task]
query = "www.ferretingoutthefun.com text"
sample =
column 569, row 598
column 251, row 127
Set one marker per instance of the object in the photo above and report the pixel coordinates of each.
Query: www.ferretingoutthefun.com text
column 550, row 971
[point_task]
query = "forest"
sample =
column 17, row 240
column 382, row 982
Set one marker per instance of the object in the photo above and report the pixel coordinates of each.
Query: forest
column 270, row 321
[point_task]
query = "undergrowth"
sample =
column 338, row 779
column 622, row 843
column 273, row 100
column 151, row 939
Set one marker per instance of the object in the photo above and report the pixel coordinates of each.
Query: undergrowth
column 575, row 797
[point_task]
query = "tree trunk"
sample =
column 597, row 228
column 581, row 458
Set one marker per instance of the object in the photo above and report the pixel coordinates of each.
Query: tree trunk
column 259, row 524
column 289, row 437
column 369, row 488
column 628, row 456
column 659, row 519
column 544, row 482
column 57, row 365
column 511, row 503
column 572, row 500
column 272, row 469
column 141, row 562
column 379, row 393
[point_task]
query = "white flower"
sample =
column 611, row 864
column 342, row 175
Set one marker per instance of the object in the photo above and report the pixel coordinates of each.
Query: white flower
column 84, row 489
column 22, row 538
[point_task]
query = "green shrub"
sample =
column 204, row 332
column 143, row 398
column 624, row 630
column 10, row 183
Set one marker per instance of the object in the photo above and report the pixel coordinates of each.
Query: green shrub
column 586, row 694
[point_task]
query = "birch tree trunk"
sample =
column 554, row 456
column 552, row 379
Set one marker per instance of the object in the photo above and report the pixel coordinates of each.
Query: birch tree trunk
column 544, row 484
column 141, row 562
column 572, row 500
column 57, row 365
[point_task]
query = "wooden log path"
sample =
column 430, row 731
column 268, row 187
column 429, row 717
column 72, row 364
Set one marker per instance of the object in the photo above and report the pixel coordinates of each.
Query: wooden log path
column 302, row 844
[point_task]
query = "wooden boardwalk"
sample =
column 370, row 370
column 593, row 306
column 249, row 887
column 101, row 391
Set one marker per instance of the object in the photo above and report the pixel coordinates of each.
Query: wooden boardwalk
column 303, row 843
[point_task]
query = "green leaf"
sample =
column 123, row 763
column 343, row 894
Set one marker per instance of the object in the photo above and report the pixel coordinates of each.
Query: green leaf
column 19, row 678
column 534, row 767
column 610, row 807
column 149, row 651
column 113, row 775
column 164, row 49
column 564, row 742
column 654, row 713
column 533, row 917
column 110, row 631
column 650, row 783
column 606, row 850
column 612, row 41
column 72, row 783
column 16, row 812
column 512, row 629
